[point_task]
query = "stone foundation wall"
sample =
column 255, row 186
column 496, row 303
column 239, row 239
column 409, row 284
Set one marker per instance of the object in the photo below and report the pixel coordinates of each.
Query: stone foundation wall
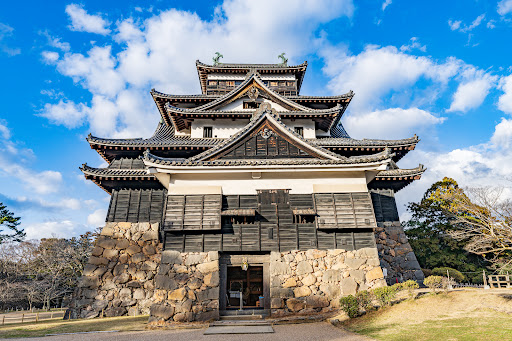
column 186, row 288
column 119, row 277
column 396, row 254
column 305, row 282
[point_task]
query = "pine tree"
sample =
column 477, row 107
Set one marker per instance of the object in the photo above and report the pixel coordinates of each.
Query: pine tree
column 9, row 221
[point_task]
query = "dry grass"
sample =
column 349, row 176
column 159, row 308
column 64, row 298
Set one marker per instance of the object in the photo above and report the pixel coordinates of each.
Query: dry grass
column 35, row 329
column 460, row 315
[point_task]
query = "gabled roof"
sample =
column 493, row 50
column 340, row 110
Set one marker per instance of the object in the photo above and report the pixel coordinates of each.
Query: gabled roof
column 204, row 69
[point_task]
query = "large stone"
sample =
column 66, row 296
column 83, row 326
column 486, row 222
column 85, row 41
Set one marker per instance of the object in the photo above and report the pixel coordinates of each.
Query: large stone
column 162, row 311
column 125, row 292
column 138, row 257
column 309, row 280
column 122, row 244
column 279, row 268
column 90, row 282
column 331, row 290
column 317, row 301
column 171, row 257
column 373, row 274
column 348, row 286
column 276, row 303
column 302, row 291
column 89, row 269
column 207, row 315
column 178, row 294
column 122, row 278
column 98, row 260
column 119, row 269
column 149, row 266
column 281, row 292
column 165, row 282
column 195, row 283
column 304, row 268
column 295, row 304
column 139, row 294
column 108, row 231
column 106, row 243
column 358, row 275
column 331, row 276
column 290, row 282
column 149, row 250
column 184, row 307
column 183, row 317
column 212, row 279
column 134, row 284
column 213, row 255
column 99, row 305
column 208, row 294
column 133, row 249
column 354, row 263
column 97, row 251
column 110, row 253
column 194, row 259
column 150, row 235
column 315, row 254
column 115, row 311
column 208, row 267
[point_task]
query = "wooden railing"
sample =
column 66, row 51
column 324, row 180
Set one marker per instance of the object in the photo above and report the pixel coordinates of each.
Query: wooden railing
column 500, row 281
column 21, row 317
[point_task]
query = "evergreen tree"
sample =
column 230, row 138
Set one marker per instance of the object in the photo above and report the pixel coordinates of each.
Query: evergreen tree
column 9, row 221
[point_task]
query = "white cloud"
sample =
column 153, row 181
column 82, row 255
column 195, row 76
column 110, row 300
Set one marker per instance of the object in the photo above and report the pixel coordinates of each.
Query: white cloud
column 504, row 7
column 97, row 218
column 505, row 100
column 490, row 24
column 392, row 123
column 454, row 25
column 81, row 21
column 386, row 3
column 6, row 133
column 471, row 94
column 56, row 41
column 457, row 25
column 7, row 31
column 413, row 44
column 502, row 136
column 60, row 229
column 50, row 57
column 66, row 113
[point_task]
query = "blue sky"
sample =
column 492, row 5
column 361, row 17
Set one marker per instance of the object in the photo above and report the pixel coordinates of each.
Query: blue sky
column 439, row 69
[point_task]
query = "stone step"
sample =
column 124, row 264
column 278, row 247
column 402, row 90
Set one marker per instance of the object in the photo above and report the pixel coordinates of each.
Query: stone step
column 240, row 323
column 242, row 317
column 236, row 312
column 233, row 329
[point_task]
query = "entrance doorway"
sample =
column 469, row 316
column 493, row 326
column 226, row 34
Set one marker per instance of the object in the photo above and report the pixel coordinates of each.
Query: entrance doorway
column 245, row 286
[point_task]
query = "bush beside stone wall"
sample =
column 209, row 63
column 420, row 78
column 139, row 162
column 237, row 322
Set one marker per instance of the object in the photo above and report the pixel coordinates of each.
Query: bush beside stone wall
column 396, row 253
column 306, row 282
column 186, row 288
column 119, row 277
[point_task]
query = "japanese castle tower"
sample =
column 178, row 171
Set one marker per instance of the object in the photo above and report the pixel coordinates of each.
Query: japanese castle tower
column 248, row 194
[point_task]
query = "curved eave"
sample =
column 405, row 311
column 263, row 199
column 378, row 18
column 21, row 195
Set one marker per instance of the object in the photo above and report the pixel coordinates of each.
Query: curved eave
column 161, row 99
column 397, row 179
column 97, row 175
column 204, row 69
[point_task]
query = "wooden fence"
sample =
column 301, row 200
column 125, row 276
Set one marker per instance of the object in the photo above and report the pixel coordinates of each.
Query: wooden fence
column 500, row 281
column 20, row 317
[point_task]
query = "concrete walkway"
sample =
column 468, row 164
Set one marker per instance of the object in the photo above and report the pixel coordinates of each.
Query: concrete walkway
column 289, row 332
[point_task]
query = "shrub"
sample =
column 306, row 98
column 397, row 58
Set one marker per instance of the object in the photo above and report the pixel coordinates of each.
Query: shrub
column 434, row 282
column 456, row 275
column 410, row 285
column 386, row 294
column 350, row 305
column 427, row 272
column 364, row 300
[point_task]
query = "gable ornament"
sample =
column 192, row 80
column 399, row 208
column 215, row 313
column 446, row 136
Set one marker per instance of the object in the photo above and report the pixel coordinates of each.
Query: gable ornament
column 266, row 133
column 253, row 93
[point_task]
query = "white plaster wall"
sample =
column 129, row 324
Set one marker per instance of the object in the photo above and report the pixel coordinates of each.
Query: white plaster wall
column 307, row 124
column 239, row 105
column 230, row 76
column 247, row 183
column 222, row 128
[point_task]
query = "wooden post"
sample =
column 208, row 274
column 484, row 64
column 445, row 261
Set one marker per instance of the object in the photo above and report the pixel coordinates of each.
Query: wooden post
column 37, row 317
column 51, row 315
column 485, row 279
column 22, row 317
column 3, row 320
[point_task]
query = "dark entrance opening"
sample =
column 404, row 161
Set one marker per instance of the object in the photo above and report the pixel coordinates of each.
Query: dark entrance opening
column 244, row 284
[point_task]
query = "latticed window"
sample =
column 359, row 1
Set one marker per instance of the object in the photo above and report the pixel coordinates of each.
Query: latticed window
column 207, row 132
column 300, row 131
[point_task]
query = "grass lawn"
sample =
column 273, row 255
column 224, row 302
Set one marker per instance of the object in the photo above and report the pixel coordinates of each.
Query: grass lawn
column 463, row 316
column 34, row 329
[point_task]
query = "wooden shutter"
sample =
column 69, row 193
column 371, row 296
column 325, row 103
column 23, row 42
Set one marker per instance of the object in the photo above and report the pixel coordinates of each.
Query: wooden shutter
column 344, row 210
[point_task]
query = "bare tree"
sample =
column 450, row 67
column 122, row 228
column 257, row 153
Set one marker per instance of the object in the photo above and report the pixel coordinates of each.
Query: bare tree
column 482, row 219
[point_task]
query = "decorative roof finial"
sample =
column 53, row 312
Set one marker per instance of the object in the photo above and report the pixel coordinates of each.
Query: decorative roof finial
column 284, row 59
column 216, row 58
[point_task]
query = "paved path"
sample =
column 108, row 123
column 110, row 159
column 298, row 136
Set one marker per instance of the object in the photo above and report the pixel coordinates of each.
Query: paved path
column 289, row 332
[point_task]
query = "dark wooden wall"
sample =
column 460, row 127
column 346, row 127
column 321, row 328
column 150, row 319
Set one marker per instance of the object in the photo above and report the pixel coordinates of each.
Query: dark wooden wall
column 258, row 147
column 272, row 229
column 136, row 205
column 384, row 205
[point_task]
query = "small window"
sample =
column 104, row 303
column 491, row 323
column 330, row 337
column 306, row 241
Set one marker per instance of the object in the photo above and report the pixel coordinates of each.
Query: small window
column 273, row 83
column 230, row 83
column 251, row 105
column 303, row 219
column 290, row 83
column 207, row 132
column 282, row 83
column 212, row 82
column 300, row 131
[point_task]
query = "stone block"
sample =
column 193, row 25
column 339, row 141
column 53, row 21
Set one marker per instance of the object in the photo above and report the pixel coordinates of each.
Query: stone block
column 125, row 292
column 138, row 258
column 207, row 315
column 162, row 311
column 290, row 282
column 183, row 307
column 304, row 268
column 194, row 259
column 110, row 253
column 183, row 317
column 348, row 286
column 97, row 251
column 122, row 244
column 331, row 276
column 139, row 294
column 108, row 231
column 276, row 303
column 149, row 266
column 208, row 267
column 115, row 311
column 171, row 257
column 106, row 243
column 195, row 283
column 165, row 282
column 212, row 279
column 178, row 294
column 122, row 278
column 181, row 279
column 279, row 268
column 315, row 254
column 134, row 284
column 150, row 235
column 302, row 291
column 281, row 292
column 124, row 225
column 99, row 305
column 358, row 275
column 119, row 269
column 330, row 290
column 98, row 260
column 208, row 294
column 89, row 269
column 295, row 304
column 149, row 250
column 213, row 255
column 317, row 301
column 355, row 263
column 90, row 282
column 309, row 280
column 133, row 249
column 373, row 274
